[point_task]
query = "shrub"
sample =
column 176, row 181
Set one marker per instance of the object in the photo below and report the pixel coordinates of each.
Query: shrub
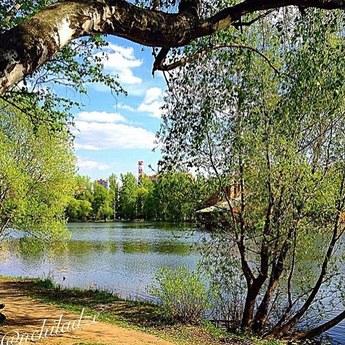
column 45, row 283
column 183, row 295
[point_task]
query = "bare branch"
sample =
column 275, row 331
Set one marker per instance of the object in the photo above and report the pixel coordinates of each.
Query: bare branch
column 159, row 65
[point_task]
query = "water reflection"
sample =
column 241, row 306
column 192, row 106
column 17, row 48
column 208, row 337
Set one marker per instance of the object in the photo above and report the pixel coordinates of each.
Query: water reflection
column 121, row 257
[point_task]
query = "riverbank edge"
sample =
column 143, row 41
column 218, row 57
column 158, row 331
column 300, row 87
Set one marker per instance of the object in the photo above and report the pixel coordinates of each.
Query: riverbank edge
column 136, row 315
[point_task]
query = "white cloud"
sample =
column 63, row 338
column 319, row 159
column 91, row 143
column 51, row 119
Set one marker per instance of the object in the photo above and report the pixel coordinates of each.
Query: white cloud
column 153, row 102
column 105, row 131
column 121, row 60
column 100, row 117
column 123, row 106
column 88, row 164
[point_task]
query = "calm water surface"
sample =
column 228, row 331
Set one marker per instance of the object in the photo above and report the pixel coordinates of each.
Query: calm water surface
column 120, row 257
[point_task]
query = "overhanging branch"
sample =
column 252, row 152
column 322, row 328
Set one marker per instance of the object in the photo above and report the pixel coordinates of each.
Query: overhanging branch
column 26, row 47
column 160, row 65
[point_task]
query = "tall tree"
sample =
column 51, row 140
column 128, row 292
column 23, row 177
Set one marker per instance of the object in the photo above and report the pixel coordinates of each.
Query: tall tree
column 279, row 137
column 128, row 196
column 114, row 193
column 79, row 210
column 101, row 202
column 144, row 196
column 36, row 176
column 177, row 197
column 80, row 207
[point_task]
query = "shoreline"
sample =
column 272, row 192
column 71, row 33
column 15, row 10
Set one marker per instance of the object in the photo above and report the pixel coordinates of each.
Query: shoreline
column 127, row 314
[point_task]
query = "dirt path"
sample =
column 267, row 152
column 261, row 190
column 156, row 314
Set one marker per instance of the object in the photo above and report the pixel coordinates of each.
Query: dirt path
column 26, row 315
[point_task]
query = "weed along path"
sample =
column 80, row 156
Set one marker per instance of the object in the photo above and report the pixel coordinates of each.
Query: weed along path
column 25, row 324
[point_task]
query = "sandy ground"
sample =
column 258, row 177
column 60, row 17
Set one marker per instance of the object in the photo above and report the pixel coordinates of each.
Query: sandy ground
column 25, row 316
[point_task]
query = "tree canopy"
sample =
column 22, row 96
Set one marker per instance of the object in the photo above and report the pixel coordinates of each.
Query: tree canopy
column 41, row 30
column 174, row 197
column 277, row 135
column 37, row 170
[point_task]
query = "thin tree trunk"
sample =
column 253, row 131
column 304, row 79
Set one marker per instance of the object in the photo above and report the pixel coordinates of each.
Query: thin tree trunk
column 4, row 226
column 277, row 270
column 284, row 329
column 249, row 306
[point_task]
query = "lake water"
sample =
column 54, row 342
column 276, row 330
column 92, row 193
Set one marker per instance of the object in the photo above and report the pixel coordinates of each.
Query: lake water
column 120, row 257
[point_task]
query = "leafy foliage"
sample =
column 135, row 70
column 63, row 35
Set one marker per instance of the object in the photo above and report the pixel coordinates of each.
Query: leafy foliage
column 36, row 175
column 168, row 197
column 73, row 68
column 182, row 294
column 278, row 133
column 91, row 200
column 128, row 196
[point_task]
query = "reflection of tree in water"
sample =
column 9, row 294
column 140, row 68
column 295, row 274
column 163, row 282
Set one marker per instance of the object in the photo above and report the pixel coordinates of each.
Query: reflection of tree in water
column 136, row 247
column 178, row 248
column 87, row 247
column 34, row 250
column 166, row 247
column 31, row 250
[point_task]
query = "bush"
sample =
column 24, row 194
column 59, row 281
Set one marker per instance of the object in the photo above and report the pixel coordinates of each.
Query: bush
column 182, row 294
column 45, row 283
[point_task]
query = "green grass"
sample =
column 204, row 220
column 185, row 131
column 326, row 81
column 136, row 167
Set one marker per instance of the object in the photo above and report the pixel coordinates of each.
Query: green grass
column 142, row 316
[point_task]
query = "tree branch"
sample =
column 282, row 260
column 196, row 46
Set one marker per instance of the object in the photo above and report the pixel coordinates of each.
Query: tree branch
column 321, row 328
column 159, row 63
column 285, row 328
column 24, row 48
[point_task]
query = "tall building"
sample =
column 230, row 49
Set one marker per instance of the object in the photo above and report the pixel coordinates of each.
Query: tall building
column 140, row 170
column 103, row 183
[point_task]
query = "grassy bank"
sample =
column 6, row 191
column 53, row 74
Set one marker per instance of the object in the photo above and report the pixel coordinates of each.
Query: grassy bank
column 132, row 314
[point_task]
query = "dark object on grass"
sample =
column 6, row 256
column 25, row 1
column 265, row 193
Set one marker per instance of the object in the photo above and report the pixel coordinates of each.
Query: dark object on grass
column 2, row 316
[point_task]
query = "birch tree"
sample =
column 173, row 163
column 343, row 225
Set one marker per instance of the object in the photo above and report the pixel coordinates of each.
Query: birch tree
column 37, row 36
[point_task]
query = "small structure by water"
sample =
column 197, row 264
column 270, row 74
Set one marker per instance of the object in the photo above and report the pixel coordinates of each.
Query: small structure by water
column 219, row 206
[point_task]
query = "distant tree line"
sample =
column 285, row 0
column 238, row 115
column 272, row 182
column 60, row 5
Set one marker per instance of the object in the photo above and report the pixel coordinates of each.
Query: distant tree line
column 168, row 197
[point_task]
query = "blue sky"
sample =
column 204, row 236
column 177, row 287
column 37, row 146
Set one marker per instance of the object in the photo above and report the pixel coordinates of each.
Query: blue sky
column 114, row 132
